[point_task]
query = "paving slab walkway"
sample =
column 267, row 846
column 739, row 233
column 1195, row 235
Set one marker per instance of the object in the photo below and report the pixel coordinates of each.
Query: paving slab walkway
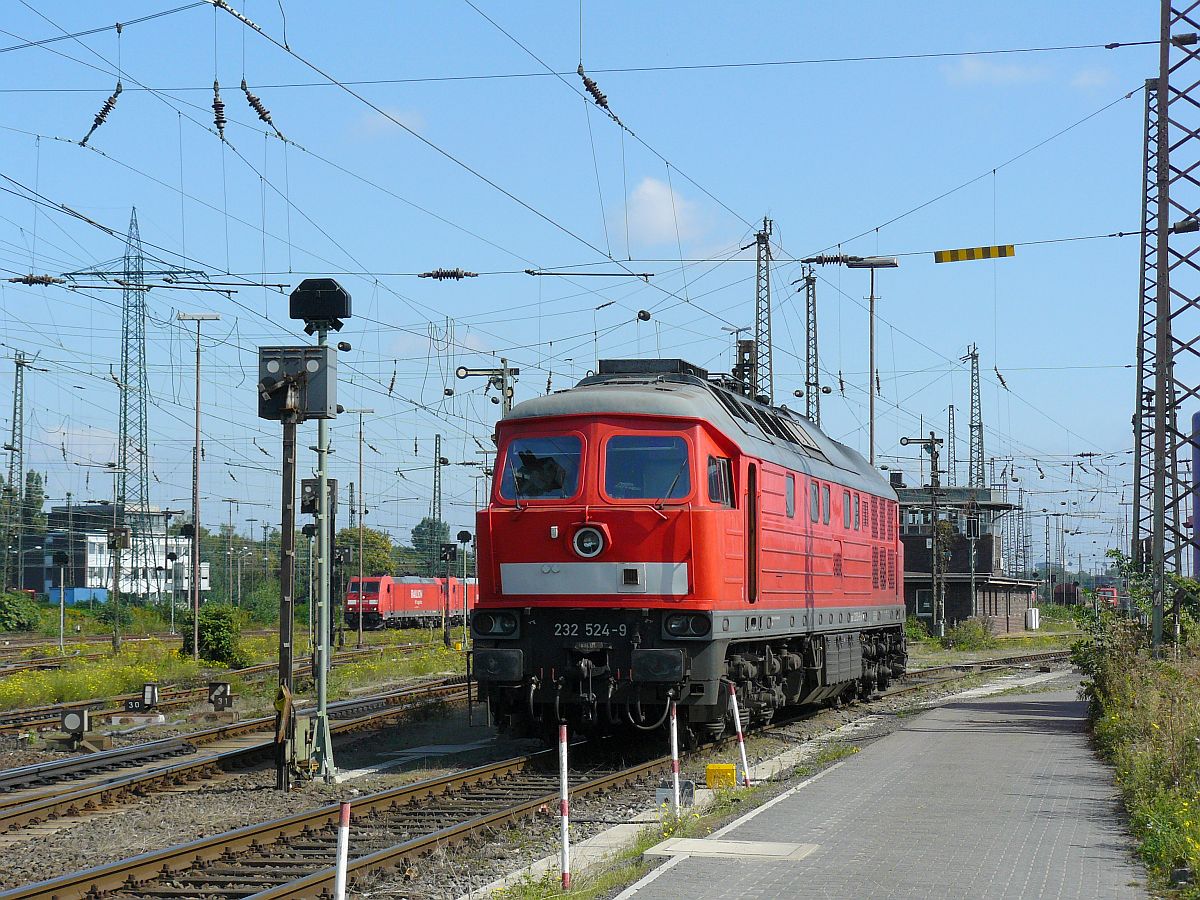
column 997, row 797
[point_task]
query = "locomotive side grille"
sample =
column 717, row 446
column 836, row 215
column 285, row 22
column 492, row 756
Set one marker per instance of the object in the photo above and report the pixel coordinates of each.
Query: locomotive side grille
column 891, row 569
column 875, row 567
column 837, row 565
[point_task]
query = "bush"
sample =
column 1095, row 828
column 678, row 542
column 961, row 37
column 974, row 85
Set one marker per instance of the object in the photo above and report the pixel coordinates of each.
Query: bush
column 915, row 630
column 1146, row 722
column 969, row 634
column 220, row 635
column 107, row 612
column 18, row 612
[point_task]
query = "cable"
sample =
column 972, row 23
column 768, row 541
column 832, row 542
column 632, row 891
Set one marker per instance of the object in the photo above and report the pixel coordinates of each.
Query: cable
column 118, row 26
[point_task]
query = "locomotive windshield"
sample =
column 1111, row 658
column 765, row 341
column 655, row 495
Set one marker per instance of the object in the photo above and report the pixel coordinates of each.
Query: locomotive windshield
column 368, row 587
column 541, row 468
column 646, row 467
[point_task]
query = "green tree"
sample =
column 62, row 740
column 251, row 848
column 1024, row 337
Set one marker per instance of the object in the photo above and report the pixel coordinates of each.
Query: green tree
column 377, row 551
column 427, row 535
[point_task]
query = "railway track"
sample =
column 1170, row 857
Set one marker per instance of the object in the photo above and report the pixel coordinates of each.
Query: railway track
column 36, row 794
column 33, row 717
column 392, row 831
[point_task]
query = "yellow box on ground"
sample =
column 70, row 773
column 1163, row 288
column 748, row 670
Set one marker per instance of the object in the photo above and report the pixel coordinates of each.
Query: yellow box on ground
column 720, row 775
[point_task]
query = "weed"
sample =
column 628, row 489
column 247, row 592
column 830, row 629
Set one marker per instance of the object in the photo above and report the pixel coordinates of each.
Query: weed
column 832, row 752
column 969, row 634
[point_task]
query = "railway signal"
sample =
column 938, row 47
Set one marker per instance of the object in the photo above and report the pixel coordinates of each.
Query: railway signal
column 500, row 378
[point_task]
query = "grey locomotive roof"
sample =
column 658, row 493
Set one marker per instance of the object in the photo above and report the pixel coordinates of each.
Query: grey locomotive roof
column 755, row 428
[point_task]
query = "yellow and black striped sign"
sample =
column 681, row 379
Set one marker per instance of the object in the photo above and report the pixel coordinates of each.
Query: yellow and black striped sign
column 969, row 253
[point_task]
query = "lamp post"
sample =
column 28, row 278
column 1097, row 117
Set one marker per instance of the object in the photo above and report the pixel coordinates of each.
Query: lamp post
column 362, row 508
column 115, row 552
column 198, row 318
column 872, row 263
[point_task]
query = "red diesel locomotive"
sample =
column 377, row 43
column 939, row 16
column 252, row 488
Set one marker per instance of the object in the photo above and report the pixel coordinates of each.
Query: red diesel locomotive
column 653, row 534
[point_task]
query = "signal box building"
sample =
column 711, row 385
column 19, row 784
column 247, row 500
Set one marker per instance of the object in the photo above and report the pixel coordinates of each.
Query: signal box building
column 976, row 586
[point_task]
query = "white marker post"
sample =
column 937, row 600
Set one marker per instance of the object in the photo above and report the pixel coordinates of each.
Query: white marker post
column 343, row 851
column 737, row 724
column 564, row 807
column 675, row 757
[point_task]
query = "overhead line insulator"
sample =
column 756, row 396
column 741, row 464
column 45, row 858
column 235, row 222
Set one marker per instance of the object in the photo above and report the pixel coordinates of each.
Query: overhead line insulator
column 32, row 279
column 218, row 110
column 448, row 274
column 598, row 96
column 263, row 113
column 109, row 105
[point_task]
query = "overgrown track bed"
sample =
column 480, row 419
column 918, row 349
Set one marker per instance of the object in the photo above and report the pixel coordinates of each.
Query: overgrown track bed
column 1004, row 662
column 34, row 717
column 26, row 808
column 393, row 832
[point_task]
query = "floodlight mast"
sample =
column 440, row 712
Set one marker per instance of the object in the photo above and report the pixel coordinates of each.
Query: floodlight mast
column 195, row 560
column 872, row 263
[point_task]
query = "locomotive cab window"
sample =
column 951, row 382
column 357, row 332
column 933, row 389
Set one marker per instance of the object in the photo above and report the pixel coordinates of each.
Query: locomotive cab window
column 825, row 503
column 846, row 511
column 856, row 512
column 790, row 499
column 541, row 468
column 720, row 481
column 814, row 501
column 646, row 467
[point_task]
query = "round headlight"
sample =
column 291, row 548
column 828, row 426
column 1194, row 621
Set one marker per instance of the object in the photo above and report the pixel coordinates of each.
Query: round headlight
column 505, row 624
column 698, row 625
column 483, row 623
column 678, row 626
column 588, row 542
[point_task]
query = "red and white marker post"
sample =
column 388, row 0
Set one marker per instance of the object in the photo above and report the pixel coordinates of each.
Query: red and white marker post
column 737, row 724
column 343, row 851
column 564, row 807
column 675, row 757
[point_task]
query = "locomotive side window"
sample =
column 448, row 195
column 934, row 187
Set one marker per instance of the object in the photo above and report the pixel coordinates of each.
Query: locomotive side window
column 646, row 467
column 825, row 503
column 846, row 511
column 541, row 468
column 790, row 499
column 814, row 501
column 720, row 481
column 856, row 512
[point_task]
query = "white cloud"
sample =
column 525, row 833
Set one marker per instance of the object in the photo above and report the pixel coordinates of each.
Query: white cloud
column 654, row 211
column 974, row 70
column 1092, row 78
column 373, row 125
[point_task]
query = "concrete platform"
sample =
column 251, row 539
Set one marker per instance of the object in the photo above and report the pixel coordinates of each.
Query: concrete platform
column 996, row 797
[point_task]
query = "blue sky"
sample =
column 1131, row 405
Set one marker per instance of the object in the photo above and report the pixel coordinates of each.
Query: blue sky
column 829, row 150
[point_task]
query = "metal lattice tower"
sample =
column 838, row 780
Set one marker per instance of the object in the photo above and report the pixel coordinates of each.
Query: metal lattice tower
column 812, row 367
column 764, row 371
column 975, row 474
column 133, row 442
column 1176, row 289
column 15, row 489
column 133, row 461
column 951, row 453
column 1143, row 408
column 436, row 505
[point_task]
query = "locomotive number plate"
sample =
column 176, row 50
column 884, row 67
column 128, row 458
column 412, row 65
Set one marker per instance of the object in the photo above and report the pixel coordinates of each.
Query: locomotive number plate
column 590, row 629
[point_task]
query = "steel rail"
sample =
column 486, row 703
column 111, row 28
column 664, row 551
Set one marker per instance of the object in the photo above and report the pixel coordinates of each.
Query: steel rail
column 23, row 811
column 48, row 715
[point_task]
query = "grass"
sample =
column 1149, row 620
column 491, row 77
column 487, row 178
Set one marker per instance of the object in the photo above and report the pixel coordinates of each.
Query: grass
column 1146, row 722
column 85, row 679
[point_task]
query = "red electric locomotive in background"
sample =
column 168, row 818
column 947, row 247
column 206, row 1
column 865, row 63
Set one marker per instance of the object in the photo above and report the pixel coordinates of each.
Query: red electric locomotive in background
column 408, row 601
column 654, row 534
